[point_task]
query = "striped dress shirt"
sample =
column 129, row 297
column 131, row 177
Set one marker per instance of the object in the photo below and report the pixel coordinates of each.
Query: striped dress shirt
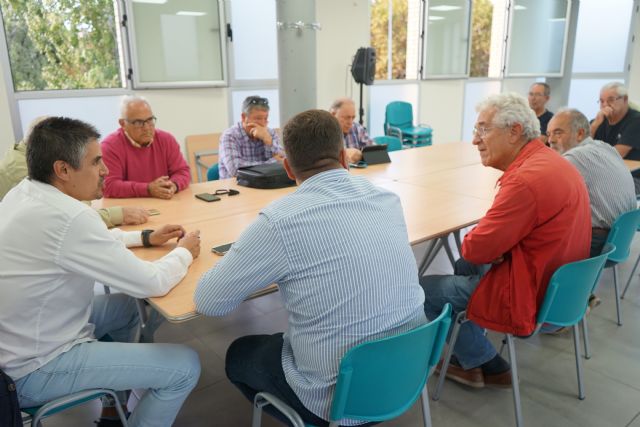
column 237, row 150
column 609, row 182
column 338, row 250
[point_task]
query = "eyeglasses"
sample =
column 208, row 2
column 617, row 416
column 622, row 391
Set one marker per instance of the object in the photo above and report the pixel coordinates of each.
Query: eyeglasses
column 481, row 131
column 259, row 101
column 141, row 123
column 230, row 192
column 609, row 100
column 537, row 95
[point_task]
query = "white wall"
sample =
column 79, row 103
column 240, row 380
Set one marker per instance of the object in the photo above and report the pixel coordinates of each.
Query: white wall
column 440, row 106
column 345, row 28
column 634, row 77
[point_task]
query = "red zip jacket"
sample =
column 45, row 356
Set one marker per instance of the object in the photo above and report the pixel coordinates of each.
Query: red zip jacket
column 539, row 221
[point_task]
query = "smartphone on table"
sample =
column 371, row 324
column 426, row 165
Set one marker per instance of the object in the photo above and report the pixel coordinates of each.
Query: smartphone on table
column 222, row 249
column 207, row 197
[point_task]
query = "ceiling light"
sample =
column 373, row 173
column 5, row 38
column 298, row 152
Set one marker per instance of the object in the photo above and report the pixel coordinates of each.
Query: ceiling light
column 190, row 13
column 445, row 8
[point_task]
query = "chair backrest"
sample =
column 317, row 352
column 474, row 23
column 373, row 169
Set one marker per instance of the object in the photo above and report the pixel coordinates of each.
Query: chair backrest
column 398, row 114
column 202, row 152
column 567, row 296
column 393, row 143
column 621, row 235
column 213, row 173
column 381, row 379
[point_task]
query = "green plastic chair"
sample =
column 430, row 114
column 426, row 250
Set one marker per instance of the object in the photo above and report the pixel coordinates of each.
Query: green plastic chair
column 565, row 304
column 393, row 143
column 37, row 413
column 213, row 173
column 633, row 271
column 398, row 122
column 621, row 235
column 379, row 380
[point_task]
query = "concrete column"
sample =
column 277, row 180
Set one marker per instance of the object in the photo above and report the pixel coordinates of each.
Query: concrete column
column 296, row 56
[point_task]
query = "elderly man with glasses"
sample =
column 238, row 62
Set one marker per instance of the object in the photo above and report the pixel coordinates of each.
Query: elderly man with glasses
column 617, row 124
column 143, row 161
column 540, row 219
column 249, row 142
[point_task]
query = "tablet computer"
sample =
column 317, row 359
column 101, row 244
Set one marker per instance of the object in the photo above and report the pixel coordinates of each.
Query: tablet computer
column 375, row 154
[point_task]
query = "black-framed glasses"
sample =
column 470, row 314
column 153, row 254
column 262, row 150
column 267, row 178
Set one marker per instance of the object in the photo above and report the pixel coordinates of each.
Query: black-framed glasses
column 142, row 123
column 610, row 100
column 230, row 192
column 259, row 101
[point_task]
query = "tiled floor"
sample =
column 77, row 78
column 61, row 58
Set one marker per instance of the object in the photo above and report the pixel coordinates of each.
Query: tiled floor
column 547, row 372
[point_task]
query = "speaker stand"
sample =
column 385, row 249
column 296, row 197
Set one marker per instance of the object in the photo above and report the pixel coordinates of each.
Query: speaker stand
column 361, row 111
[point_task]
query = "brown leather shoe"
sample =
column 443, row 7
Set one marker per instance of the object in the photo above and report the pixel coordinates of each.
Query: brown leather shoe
column 502, row 380
column 472, row 377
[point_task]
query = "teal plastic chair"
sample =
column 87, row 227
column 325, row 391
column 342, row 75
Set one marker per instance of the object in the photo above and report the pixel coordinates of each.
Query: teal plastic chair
column 213, row 173
column 633, row 271
column 621, row 235
column 398, row 122
column 393, row 143
column 565, row 304
column 37, row 413
column 379, row 380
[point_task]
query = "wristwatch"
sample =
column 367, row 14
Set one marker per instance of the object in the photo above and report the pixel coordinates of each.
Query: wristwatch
column 145, row 238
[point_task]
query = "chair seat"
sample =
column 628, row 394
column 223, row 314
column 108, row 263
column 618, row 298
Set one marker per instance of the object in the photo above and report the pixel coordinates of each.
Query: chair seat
column 416, row 131
column 32, row 410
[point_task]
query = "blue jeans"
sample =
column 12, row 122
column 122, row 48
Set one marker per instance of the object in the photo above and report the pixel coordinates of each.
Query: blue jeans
column 168, row 371
column 472, row 348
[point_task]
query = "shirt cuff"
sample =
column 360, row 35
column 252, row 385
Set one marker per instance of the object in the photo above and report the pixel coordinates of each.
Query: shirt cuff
column 116, row 215
column 132, row 238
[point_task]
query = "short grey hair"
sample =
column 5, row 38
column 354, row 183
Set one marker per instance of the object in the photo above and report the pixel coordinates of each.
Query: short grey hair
column 577, row 120
column 128, row 100
column 254, row 102
column 621, row 90
column 512, row 108
column 338, row 103
column 545, row 86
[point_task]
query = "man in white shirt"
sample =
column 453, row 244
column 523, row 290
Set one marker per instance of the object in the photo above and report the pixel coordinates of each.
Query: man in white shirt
column 54, row 248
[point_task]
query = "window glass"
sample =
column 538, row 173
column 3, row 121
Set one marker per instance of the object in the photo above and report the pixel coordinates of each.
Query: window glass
column 255, row 44
column 584, row 94
column 608, row 45
column 481, row 27
column 177, row 41
column 390, row 43
column 537, row 37
column 447, row 37
column 62, row 44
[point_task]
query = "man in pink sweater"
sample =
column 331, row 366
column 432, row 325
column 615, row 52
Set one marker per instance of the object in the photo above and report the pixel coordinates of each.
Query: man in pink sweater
column 143, row 161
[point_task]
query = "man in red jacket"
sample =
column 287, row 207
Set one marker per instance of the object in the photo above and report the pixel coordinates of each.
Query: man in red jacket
column 540, row 219
column 143, row 161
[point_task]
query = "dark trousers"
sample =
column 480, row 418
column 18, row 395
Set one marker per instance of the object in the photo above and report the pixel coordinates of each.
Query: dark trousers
column 254, row 364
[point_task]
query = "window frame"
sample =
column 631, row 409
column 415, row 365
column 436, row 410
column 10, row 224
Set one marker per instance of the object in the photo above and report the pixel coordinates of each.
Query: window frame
column 133, row 70
column 422, row 74
column 508, row 45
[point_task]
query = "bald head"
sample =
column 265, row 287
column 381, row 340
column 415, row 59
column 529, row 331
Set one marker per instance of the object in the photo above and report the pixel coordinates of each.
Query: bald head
column 344, row 110
column 567, row 128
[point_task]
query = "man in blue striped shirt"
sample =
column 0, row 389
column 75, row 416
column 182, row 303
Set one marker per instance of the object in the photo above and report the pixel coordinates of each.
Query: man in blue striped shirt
column 339, row 251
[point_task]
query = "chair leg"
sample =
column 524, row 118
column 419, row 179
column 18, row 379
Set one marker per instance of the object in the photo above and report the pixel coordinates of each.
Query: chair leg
column 256, row 419
column 460, row 319
column 615, row 285
column 433, row 247
column 576, row 345
column 514, row 380
column 633, row 271
column 426, row 413
column 447, row 248
column 585, row 334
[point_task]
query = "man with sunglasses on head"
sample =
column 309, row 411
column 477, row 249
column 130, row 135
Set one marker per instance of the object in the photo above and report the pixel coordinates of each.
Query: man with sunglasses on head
column 143, row 161
column 249, row 142
column 617, row 124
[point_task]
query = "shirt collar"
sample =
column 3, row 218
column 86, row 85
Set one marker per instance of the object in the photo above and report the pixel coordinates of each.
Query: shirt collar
column 135, row 144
